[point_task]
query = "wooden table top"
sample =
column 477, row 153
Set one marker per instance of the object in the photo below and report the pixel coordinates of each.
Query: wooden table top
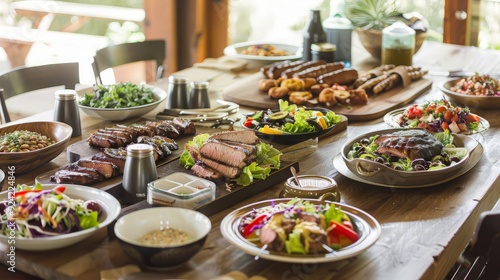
column 424, row 230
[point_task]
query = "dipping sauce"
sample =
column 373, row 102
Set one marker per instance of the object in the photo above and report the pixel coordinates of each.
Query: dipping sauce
column 168, row 236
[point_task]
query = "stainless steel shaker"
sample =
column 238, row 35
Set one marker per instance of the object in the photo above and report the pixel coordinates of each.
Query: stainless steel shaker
column 139, row 170
column 178, row 95
column 199, row 95
column 66, row 110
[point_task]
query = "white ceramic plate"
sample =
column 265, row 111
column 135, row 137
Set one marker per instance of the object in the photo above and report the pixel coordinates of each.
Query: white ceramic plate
column 392, row 118
column 367, row 226
column 120, row 114
column 110, row 206
column 474, row 157
column 235, row 50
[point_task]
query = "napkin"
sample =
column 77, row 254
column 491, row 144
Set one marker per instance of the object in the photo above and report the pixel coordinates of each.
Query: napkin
column 223, row 63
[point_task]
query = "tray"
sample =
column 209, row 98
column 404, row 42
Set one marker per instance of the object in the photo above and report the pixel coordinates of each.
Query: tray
column 246, row 93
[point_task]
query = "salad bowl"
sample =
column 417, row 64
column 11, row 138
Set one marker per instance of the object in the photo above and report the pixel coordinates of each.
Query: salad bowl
column 471, row 101
column 379, row 173
column 366, row 226
column 119, row 114
column 109, row 205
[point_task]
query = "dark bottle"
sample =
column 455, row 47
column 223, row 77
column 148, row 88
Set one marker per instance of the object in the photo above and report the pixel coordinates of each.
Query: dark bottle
column 314, row 33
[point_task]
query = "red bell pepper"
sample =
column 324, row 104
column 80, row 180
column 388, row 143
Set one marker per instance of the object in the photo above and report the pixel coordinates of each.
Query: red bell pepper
column 248, row 122
column 339, row 230
column 248, row 229
column 58, row 189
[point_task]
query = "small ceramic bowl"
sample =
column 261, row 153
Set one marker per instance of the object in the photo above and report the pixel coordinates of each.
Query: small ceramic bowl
column 130, row 228
column 311, row 186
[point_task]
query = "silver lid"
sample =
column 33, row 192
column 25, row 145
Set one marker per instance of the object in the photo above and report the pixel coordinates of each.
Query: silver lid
column 323, row 47
column 139, row 150
column 177, row 80
column 199, row 85
column 66, row 94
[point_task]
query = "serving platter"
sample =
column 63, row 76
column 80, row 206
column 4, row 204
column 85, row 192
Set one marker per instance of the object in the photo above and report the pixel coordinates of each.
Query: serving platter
column 368, row 227
column 471, row 101
column 246, row 93
column 391, row 119
column 474, row 157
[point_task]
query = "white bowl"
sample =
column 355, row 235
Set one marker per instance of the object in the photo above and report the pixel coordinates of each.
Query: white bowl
column 110, row 210
column 235, row 50
column 131, row 227
column 119, row 114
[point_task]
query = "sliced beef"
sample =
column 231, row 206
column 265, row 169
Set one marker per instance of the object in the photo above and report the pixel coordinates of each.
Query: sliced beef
column 141, row 129
column 240, row 136
column 187, row 127
column 107, row 169
column 412, row 144
column 118, row 161
column 226, row 170
column 64, row 176
column 77, row 168
column 129, row 136
column 206, row 172
column 225, row 153
column 164, row 129
column 102, row 141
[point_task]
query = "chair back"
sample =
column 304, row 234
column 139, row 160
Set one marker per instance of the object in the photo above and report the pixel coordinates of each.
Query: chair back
column 25, row 79
column 116, row 55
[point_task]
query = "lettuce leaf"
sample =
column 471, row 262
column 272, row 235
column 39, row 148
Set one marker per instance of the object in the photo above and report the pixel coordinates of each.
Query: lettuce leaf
column 251, row 172
column 333, row 214
column 88, row 220
column 444, row 137
column 185, row 159
column 268, row 155
column 293, row 244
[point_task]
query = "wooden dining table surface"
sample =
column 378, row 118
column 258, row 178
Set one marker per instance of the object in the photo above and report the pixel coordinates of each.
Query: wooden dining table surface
column 423, row 230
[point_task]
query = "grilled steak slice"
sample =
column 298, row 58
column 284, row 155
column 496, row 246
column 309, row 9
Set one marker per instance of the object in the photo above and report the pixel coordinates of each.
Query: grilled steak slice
column 141, row 129
column 225, row 153
column 116, row 160
column 241, row 136
column 77, row 168
column 102, row 141
column 120, row 133
column 107, row 169
column 157, row 151
column 412, row 144
column 119, row 141
column 167, row 129
column 206, row 172
column 226, row 170
column 187, row 127
column 251, row 149
column 64, row 176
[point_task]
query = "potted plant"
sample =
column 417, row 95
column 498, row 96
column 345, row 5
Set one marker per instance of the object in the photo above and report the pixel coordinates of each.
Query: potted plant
column 369, row 17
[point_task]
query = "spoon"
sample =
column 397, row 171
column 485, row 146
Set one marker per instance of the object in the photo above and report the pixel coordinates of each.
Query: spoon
column 294, row 173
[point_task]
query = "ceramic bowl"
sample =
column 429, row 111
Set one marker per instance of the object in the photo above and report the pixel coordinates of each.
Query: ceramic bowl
column 473, row 102
column 131, row 227
column 235, row 51
column 311, row 186
column 119, row 114
column 21, row 162
column 109, row 205
column 379, row 173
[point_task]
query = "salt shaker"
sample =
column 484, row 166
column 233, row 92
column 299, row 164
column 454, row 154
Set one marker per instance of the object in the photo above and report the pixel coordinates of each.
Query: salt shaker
column 139, row 170
column 199, row 95
column 66, row 110
column 177, row 92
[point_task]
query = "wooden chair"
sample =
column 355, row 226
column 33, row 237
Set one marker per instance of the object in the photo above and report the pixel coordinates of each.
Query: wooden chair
column 116, row 55
column 482, row 257
column 25, row 79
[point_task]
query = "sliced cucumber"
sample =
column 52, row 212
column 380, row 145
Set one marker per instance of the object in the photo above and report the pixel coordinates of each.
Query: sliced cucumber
column 458, row 152
column 278, row 116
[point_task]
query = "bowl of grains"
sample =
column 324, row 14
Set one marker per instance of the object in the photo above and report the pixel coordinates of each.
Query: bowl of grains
column 161, row 238
column 27, row 146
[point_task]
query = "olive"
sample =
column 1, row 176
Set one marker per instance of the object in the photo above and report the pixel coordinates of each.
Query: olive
column 418, row 161
column 365, row 141
column 398, row 167
column 393, row 158
column 438, row 159
column 380, row 159
column 359, row 149
column 3, row 206
column 454, row 159
column 92, row 205
column 419, row 167
column 388, row 164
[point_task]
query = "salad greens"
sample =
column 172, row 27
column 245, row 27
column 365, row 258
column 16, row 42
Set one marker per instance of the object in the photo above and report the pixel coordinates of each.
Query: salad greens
column 42, row 213
column 122, row 95
column 268, row 158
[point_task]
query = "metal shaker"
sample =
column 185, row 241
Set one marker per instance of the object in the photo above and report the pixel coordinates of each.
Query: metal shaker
column 199, row 95
column 178, row 95
column 66, row 110
column 139, row 170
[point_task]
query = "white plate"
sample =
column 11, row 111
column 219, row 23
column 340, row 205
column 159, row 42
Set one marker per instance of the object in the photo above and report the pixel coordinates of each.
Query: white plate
column 110, row 206
column 368, row 227
column 474, row 157
column 235, row 50
column 392, row 117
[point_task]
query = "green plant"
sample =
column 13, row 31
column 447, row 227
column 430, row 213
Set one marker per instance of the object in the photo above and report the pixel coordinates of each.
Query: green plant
column 372, row 14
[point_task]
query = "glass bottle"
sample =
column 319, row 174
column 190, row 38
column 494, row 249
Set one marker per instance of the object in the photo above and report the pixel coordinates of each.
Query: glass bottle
column 314, row 33
column 66, row 110
column 398, row 44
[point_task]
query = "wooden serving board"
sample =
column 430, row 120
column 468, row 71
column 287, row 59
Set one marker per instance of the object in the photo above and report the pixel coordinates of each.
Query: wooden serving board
column 247, row 93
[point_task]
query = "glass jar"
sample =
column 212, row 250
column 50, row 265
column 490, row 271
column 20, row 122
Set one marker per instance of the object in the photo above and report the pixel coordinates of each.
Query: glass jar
column 398, row 44
column 323, row 51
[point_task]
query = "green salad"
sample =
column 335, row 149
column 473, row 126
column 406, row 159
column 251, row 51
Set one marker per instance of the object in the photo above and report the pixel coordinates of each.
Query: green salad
column 122, row 95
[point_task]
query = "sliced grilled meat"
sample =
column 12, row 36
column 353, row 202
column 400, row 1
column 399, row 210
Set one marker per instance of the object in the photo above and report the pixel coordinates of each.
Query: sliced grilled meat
column 107, row 169
column 130, row 136
column 91, row 171
column 102, row 141
column 222, row 152
column 141, row 129
column 412, row 144
column 120, row 141
column 116, row 160
column 187, row 126
column 240, row 136
column 64, row 176
column 206, row 172
column 226, row 170
column 167, row 129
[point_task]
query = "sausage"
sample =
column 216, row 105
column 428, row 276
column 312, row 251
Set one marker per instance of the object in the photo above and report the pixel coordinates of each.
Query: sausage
column 290, row 72
column 264, row 69
column 275, row 71
column 316, row 71
column 344, row 76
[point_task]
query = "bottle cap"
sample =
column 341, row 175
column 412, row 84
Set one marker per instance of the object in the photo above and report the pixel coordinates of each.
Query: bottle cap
column 139, row 150
column 178, row 79
column 66, row 94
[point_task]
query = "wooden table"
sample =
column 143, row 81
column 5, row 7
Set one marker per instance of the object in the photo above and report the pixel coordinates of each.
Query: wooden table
column 424, row 230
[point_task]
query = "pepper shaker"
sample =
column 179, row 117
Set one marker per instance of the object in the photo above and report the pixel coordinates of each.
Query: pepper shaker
column 139, row 170
column 66, row 110
column 199, row 95
column 177, row 92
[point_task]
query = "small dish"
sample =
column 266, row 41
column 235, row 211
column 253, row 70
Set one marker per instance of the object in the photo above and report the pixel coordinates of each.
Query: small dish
column 472, row 101
column 181, row 190
column 311, row 186
column 235, row 51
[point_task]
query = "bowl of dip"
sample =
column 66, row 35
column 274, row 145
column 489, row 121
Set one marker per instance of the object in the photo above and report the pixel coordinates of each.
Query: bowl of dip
column 161, row 238
column 311, row 186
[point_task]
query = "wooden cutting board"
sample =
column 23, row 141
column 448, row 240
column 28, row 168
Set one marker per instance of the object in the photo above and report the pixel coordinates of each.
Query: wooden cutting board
column 247, row 93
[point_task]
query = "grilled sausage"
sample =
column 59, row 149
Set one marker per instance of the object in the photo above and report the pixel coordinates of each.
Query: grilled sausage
column 290, row 72
column 344, row 76
column 314, row 72
column 275, row 72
